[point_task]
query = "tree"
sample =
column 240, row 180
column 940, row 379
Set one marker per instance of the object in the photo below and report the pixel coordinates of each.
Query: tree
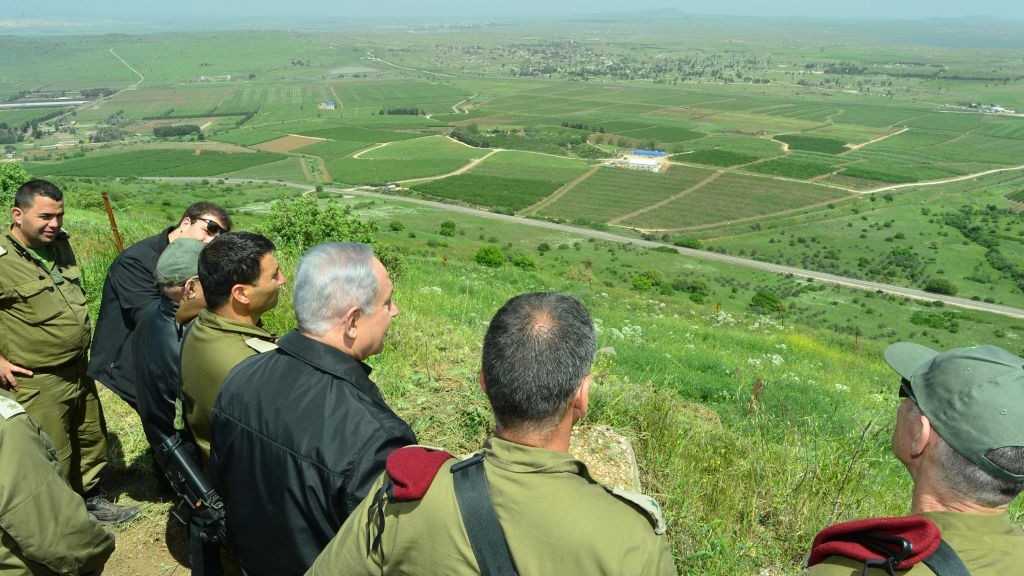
column 766, row 302
column 940, row 286
column 298, row 224
column 490, row 256
column 12, row 176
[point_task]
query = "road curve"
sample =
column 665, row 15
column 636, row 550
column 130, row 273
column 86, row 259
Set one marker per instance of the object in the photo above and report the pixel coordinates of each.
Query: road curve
column 836, row 280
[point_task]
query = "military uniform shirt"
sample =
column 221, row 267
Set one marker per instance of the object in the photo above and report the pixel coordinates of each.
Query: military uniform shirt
column 213, row 346
column 988, row 546
column 44, row 320
column 556, row 518
column 44, row 527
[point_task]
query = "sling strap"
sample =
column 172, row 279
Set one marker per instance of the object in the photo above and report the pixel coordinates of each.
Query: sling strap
column 945, row 562
column 481, row 522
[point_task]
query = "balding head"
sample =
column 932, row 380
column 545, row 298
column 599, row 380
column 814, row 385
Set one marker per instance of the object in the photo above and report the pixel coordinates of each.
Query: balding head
column 538, row 350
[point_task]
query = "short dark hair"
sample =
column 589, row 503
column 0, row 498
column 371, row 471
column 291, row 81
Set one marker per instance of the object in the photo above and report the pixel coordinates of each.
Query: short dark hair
column 26, row 194
column 230, row 259
column 199, row 209
column 538, row 348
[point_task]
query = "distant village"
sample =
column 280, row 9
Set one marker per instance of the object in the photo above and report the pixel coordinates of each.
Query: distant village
column 981, row 108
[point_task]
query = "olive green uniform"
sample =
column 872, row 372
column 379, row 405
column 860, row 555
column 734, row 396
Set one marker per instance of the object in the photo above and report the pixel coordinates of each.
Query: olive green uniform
column 988, row 546
column 214, row 345
column 557, row 520
column 44, row 327
column 44, row 527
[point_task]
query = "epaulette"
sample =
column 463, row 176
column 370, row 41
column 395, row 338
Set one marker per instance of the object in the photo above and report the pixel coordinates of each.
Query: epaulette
column 646, row 504
column 260, row 345
column 411, row 471
column 9, row 408
column 894, row 543
column 3, row 251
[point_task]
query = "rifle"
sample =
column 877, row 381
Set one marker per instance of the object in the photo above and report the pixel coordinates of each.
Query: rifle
column 200, row 508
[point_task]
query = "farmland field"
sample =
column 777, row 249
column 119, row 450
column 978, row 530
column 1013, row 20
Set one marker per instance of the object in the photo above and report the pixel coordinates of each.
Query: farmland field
column 734, row 197
column 813, row 144
column 615, row 192
column 795, row 167
column 420, row 158
column 154, row 163
column 508, row 181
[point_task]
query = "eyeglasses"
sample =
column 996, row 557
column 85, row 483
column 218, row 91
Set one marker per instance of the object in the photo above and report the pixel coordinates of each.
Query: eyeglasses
column 213, row 228
column 906, row 391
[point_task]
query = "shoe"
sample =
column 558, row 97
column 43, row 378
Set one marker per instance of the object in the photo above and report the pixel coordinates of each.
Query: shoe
column 106, row 512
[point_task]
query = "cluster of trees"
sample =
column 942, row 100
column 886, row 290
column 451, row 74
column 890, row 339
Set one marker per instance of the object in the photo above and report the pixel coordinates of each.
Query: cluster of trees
column 401, row 111
column 107, row 134
column 966, row 220
column 176, row 130
column 96, row 93
column 582, row 126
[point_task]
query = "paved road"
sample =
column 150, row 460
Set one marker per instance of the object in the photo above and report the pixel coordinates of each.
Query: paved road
column 855, row 283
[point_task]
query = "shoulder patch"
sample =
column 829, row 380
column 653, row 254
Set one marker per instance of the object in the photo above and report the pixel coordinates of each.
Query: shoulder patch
column 3, row 251
column 10, row 408
column 649, row 505
column 412, row 470
column 260, row 345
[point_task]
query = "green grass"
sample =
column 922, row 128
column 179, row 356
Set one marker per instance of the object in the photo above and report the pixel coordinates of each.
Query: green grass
column 794, row 168
column 423, row 157
column 714, row 157
column 662, row 134
column 360, row 134
column 286, row 169
column 735, row 197
column 812, row 143
column 153, row 163
column 501, row 193
column 614, row 192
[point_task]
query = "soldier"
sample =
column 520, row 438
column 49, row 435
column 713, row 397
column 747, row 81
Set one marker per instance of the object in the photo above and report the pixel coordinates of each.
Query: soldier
column 960, row 434
column 155, row 344
column 44, row 322
column 316, row 460
column 241, row 279
column 522, row 504
column 45, row 529
column 129, row 289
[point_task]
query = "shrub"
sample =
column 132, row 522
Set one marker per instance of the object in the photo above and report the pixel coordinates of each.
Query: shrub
column 940, row 286
column 543, row 247
column 490, row 256
column 396, row 226
column 298, row 224
column 767, row 302
column 687, row 242
column 522, row 261
column 646, row 280
column 447, row 228
column 12, row 176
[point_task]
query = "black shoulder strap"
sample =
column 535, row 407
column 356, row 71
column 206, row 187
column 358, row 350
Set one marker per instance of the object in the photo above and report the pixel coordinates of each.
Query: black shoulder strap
column 478, row 516
column 945, row 562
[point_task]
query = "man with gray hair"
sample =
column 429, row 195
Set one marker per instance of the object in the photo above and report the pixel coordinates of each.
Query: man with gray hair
column 300, row 433
column 960, row 434
column 523, row 504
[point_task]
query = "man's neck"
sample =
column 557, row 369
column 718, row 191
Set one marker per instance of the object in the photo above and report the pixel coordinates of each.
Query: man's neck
column 18, row 235
column 334, row 341
column 929, row 499
column 555, row 439
column 173, row 235
column 229, row 312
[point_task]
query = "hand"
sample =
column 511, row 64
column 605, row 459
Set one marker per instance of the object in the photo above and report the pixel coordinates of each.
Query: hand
column 7, row 372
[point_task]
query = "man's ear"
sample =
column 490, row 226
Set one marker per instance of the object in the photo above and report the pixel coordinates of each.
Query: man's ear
column 581, row 401
column 185, row 222
column 240, row 292
column 191, row 291
column 16, row 214
column 350, row 322
column 921, row 434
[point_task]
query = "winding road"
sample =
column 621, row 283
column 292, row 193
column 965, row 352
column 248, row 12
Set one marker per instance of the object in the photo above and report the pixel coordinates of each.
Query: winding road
column 833, row 279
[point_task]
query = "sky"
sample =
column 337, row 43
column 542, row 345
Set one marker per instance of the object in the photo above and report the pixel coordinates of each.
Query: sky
column 74, row 12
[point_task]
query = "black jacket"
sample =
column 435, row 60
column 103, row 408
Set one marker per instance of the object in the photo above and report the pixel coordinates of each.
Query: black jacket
column 129, row 288
column 155, row 349
column 299, row 436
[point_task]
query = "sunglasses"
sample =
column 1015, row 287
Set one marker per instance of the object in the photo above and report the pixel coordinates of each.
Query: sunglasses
column 212, row 227
column 905, row 390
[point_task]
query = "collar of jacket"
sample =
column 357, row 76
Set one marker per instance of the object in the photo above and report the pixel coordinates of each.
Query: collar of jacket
column 324, row 357
column 222, row 324
column 528, row 459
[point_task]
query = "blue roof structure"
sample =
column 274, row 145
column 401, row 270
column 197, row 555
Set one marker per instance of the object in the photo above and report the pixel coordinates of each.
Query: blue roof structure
column 649, row 153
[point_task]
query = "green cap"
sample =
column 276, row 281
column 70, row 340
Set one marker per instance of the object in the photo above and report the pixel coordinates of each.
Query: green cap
column 179, row 262
column 974, row 397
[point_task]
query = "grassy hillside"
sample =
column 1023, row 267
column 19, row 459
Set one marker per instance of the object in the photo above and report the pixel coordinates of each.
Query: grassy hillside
column 745, row 478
